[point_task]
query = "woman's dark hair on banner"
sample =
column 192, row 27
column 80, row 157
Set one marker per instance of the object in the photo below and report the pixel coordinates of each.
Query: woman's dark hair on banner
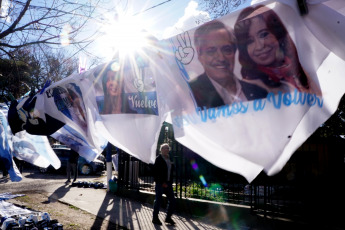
column 267, row 52
column 118, row 99
column 113, row 87
column 77, row 109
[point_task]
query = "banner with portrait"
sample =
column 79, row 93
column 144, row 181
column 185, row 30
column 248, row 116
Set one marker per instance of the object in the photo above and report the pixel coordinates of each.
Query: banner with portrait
column 127, row 96
column 243, row 91
column 261, row 81
column 66, row 102
column 34, row 149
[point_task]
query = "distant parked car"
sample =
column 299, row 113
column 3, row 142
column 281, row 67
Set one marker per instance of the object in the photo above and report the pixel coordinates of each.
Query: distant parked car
column 84, row 167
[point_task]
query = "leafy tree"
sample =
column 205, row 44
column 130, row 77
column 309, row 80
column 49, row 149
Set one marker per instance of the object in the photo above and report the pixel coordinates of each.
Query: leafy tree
column 13, row 76
column 30, row 68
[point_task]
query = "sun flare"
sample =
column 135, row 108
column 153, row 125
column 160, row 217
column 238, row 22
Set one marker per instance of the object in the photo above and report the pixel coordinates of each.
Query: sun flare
column 122, row 36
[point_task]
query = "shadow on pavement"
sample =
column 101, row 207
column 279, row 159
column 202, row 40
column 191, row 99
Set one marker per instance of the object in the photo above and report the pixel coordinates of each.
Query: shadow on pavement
column 130, row 214
column 58, row 194
column 110, row 213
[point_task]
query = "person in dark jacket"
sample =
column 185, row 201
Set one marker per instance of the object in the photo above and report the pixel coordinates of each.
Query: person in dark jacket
column 163, row 172
column 72, row 165
column 4, row 169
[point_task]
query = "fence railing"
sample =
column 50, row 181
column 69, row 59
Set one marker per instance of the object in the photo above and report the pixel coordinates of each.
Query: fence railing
column 300, row 191
column 262, row 196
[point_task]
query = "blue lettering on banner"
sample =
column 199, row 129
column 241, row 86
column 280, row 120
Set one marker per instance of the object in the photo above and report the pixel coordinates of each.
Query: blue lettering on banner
column 259, row 104
column 143, row 103
column 277, row 100
column 296, row 98
column 222, row 111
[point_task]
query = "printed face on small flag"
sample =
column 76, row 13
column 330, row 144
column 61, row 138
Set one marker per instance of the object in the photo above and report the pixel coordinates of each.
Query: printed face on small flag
column 34, row 149
column 125, row 96
column 66, row 101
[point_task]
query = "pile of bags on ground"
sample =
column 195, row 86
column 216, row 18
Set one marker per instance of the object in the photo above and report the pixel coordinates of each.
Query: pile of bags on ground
column 40, row 221
column 86, row 184
column 14, row 217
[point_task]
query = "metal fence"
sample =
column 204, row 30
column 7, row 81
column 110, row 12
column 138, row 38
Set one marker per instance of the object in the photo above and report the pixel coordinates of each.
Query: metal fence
column 282, row 195
column 262, row 196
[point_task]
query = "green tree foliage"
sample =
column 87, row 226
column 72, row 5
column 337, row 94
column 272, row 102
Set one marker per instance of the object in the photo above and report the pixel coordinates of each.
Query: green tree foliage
column 30, row 68
column 13, row 74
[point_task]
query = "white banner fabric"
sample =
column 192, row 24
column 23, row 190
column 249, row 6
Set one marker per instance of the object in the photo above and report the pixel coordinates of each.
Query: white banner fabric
column 243, row 91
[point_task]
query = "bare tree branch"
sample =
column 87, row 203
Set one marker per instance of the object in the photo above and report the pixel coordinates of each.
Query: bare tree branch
column 15, row 23
column 29, row 22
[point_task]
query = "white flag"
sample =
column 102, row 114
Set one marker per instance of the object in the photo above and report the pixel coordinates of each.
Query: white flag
column 230, row 63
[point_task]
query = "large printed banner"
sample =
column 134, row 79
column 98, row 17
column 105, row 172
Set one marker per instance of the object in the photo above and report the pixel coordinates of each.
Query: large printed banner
column 263, row 79
column 243, row 91
column 262, row 82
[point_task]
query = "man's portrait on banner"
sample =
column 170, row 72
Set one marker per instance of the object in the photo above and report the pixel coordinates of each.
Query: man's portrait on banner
column 216, row 45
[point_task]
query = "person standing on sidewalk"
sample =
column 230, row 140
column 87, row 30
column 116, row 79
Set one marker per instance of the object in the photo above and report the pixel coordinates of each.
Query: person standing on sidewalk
column 72, row 165
column 4, row 170
column 163, row 172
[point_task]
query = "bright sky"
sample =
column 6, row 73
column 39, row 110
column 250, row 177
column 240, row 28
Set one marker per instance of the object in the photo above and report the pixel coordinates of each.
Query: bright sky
column 171, row 17
column 161, row 18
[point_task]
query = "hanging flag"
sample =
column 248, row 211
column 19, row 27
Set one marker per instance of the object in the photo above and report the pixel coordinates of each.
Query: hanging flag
column 23, row 116
column 125, row 96
column 261, row 80
column 66, row 102
column 243, row 91
column 34, row 149
column 71, row 138
column 6, row 158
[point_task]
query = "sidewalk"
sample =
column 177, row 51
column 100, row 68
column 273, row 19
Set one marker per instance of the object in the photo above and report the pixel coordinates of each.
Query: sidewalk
column 131, row 214
column 120, row 210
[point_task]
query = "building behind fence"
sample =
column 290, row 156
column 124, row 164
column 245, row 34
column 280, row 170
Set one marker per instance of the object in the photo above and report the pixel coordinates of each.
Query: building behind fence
column 305, row 187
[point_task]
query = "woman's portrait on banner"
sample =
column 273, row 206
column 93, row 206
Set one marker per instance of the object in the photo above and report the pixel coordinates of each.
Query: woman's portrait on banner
column 69, row 100
column 267, row 54
column 126, row 91
column 113, row 91
column 78, row 111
